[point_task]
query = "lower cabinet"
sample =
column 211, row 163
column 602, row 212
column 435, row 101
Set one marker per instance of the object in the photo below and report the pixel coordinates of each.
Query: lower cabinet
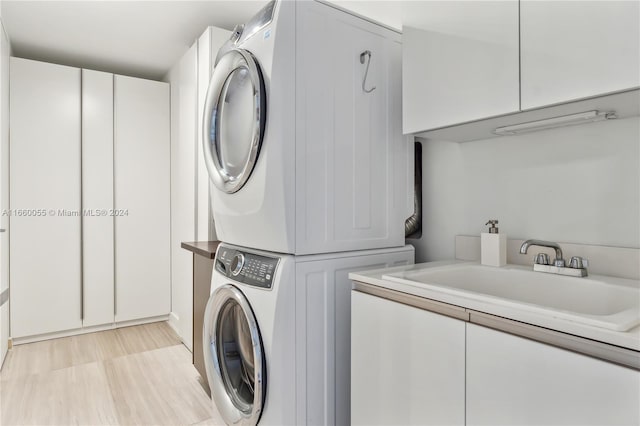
column 512, row 380
column 407, row 364
column 412, row 366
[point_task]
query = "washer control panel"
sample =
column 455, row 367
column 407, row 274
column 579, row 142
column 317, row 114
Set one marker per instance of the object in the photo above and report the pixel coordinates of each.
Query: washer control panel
column 247, row 268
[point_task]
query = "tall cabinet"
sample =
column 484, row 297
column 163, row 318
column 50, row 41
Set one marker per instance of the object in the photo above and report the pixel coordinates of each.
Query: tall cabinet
column 45, row 186
column 97, row 195
column 142, row 198
column 89, row 199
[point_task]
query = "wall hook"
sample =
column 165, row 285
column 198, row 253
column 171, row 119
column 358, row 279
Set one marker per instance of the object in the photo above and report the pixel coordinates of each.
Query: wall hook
column 367, row 54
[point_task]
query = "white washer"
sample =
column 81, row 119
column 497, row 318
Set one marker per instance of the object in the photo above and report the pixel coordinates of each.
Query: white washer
column 302, row 159
column 277, row 333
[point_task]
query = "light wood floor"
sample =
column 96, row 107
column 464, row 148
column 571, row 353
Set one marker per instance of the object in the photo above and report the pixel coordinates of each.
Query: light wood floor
column 138, row 375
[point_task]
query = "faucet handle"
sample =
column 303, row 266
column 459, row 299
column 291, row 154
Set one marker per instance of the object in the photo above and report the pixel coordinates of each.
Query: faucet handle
column 541, row 259
column 577, row 262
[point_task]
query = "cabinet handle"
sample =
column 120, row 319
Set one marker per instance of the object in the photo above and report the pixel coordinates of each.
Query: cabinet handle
column 3, row 230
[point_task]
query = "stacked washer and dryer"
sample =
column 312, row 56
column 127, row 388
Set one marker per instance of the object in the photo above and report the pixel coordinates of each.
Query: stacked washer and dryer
column 312, row 179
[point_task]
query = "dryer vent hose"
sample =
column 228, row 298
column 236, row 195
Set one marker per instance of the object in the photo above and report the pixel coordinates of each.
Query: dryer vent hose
column 413, row 225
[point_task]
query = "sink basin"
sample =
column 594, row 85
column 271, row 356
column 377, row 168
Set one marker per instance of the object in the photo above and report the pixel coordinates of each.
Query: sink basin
column 584, row 300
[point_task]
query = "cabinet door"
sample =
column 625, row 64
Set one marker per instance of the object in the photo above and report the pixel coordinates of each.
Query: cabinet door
column 512, row 380
column 142, row 184
column 350, row 155
column 183, row 188
column 4, row 193
column 45, row 192
column 208, row 45
column 576, row 49
column 459, row 62
column 206, row 56
column 407, row 365
column 97, row 197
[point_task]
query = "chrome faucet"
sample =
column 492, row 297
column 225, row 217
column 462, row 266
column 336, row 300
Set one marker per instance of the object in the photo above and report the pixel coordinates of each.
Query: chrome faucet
column 558, row 261
column 577, row 266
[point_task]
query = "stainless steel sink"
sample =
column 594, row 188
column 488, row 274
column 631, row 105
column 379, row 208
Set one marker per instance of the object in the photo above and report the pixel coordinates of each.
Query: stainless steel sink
column 590, row 301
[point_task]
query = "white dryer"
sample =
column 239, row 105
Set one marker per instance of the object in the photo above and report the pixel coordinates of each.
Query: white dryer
column 277, row 333
column 302, row 133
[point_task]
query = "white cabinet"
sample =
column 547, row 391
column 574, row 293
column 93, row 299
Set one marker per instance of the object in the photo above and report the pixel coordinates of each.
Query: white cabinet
column 45, row 192
column 183, row 78
column 207, row 48
column 469, row 61
column 189, row 80
column 572, row 50
column 208, row 45
column 413, row 366
column 5, row 332
column 407, row 364
column 459, row 62
column 142, row 198
column 97, row 198
column 512, row 380
column 74, row 224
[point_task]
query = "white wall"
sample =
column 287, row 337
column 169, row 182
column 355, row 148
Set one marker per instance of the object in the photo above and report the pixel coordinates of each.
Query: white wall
column 578, row 184
column 5, row 52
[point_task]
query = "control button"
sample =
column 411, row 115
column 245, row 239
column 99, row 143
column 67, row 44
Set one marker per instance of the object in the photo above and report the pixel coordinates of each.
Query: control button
column 236, row 264
column 268, row 277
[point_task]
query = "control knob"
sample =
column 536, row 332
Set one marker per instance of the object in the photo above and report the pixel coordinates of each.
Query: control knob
column 237, row 263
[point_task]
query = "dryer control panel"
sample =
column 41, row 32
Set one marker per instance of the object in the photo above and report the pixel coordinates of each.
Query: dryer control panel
column 247, row 268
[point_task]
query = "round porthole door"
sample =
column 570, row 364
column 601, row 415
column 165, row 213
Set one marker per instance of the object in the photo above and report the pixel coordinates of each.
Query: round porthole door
column 234, row 120
column 234, row 357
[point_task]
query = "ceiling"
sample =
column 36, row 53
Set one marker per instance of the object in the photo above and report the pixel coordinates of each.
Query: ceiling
column 138, row 38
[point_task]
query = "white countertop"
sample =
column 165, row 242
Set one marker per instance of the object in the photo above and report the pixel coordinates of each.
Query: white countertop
column 628, row 339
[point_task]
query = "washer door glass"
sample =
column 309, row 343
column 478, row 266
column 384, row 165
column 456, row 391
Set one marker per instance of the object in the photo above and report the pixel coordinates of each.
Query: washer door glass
column 234, row 356
column 234, row 120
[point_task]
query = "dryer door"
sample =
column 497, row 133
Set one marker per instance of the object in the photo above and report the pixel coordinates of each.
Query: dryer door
column 234, row 357
column 234, row 120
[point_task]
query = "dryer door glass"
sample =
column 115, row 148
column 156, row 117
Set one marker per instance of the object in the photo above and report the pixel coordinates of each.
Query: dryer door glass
column 234, row 120
column 234, row 130
column 234, row 356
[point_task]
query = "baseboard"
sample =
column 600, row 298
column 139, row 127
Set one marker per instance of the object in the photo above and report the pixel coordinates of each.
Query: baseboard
column 141, row 321
column 174, row 323
column 85, row 330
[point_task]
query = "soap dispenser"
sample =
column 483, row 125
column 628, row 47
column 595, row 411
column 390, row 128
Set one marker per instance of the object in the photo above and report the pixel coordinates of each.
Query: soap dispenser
column 493, row 246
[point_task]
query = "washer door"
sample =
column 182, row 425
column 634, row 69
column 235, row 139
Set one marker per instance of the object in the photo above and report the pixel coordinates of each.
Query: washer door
column 234, row 120
column 233, row 357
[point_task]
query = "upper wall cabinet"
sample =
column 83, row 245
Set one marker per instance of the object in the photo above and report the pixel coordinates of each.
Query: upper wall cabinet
column 572, row 50
column 459, row 62
column 483, row 61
